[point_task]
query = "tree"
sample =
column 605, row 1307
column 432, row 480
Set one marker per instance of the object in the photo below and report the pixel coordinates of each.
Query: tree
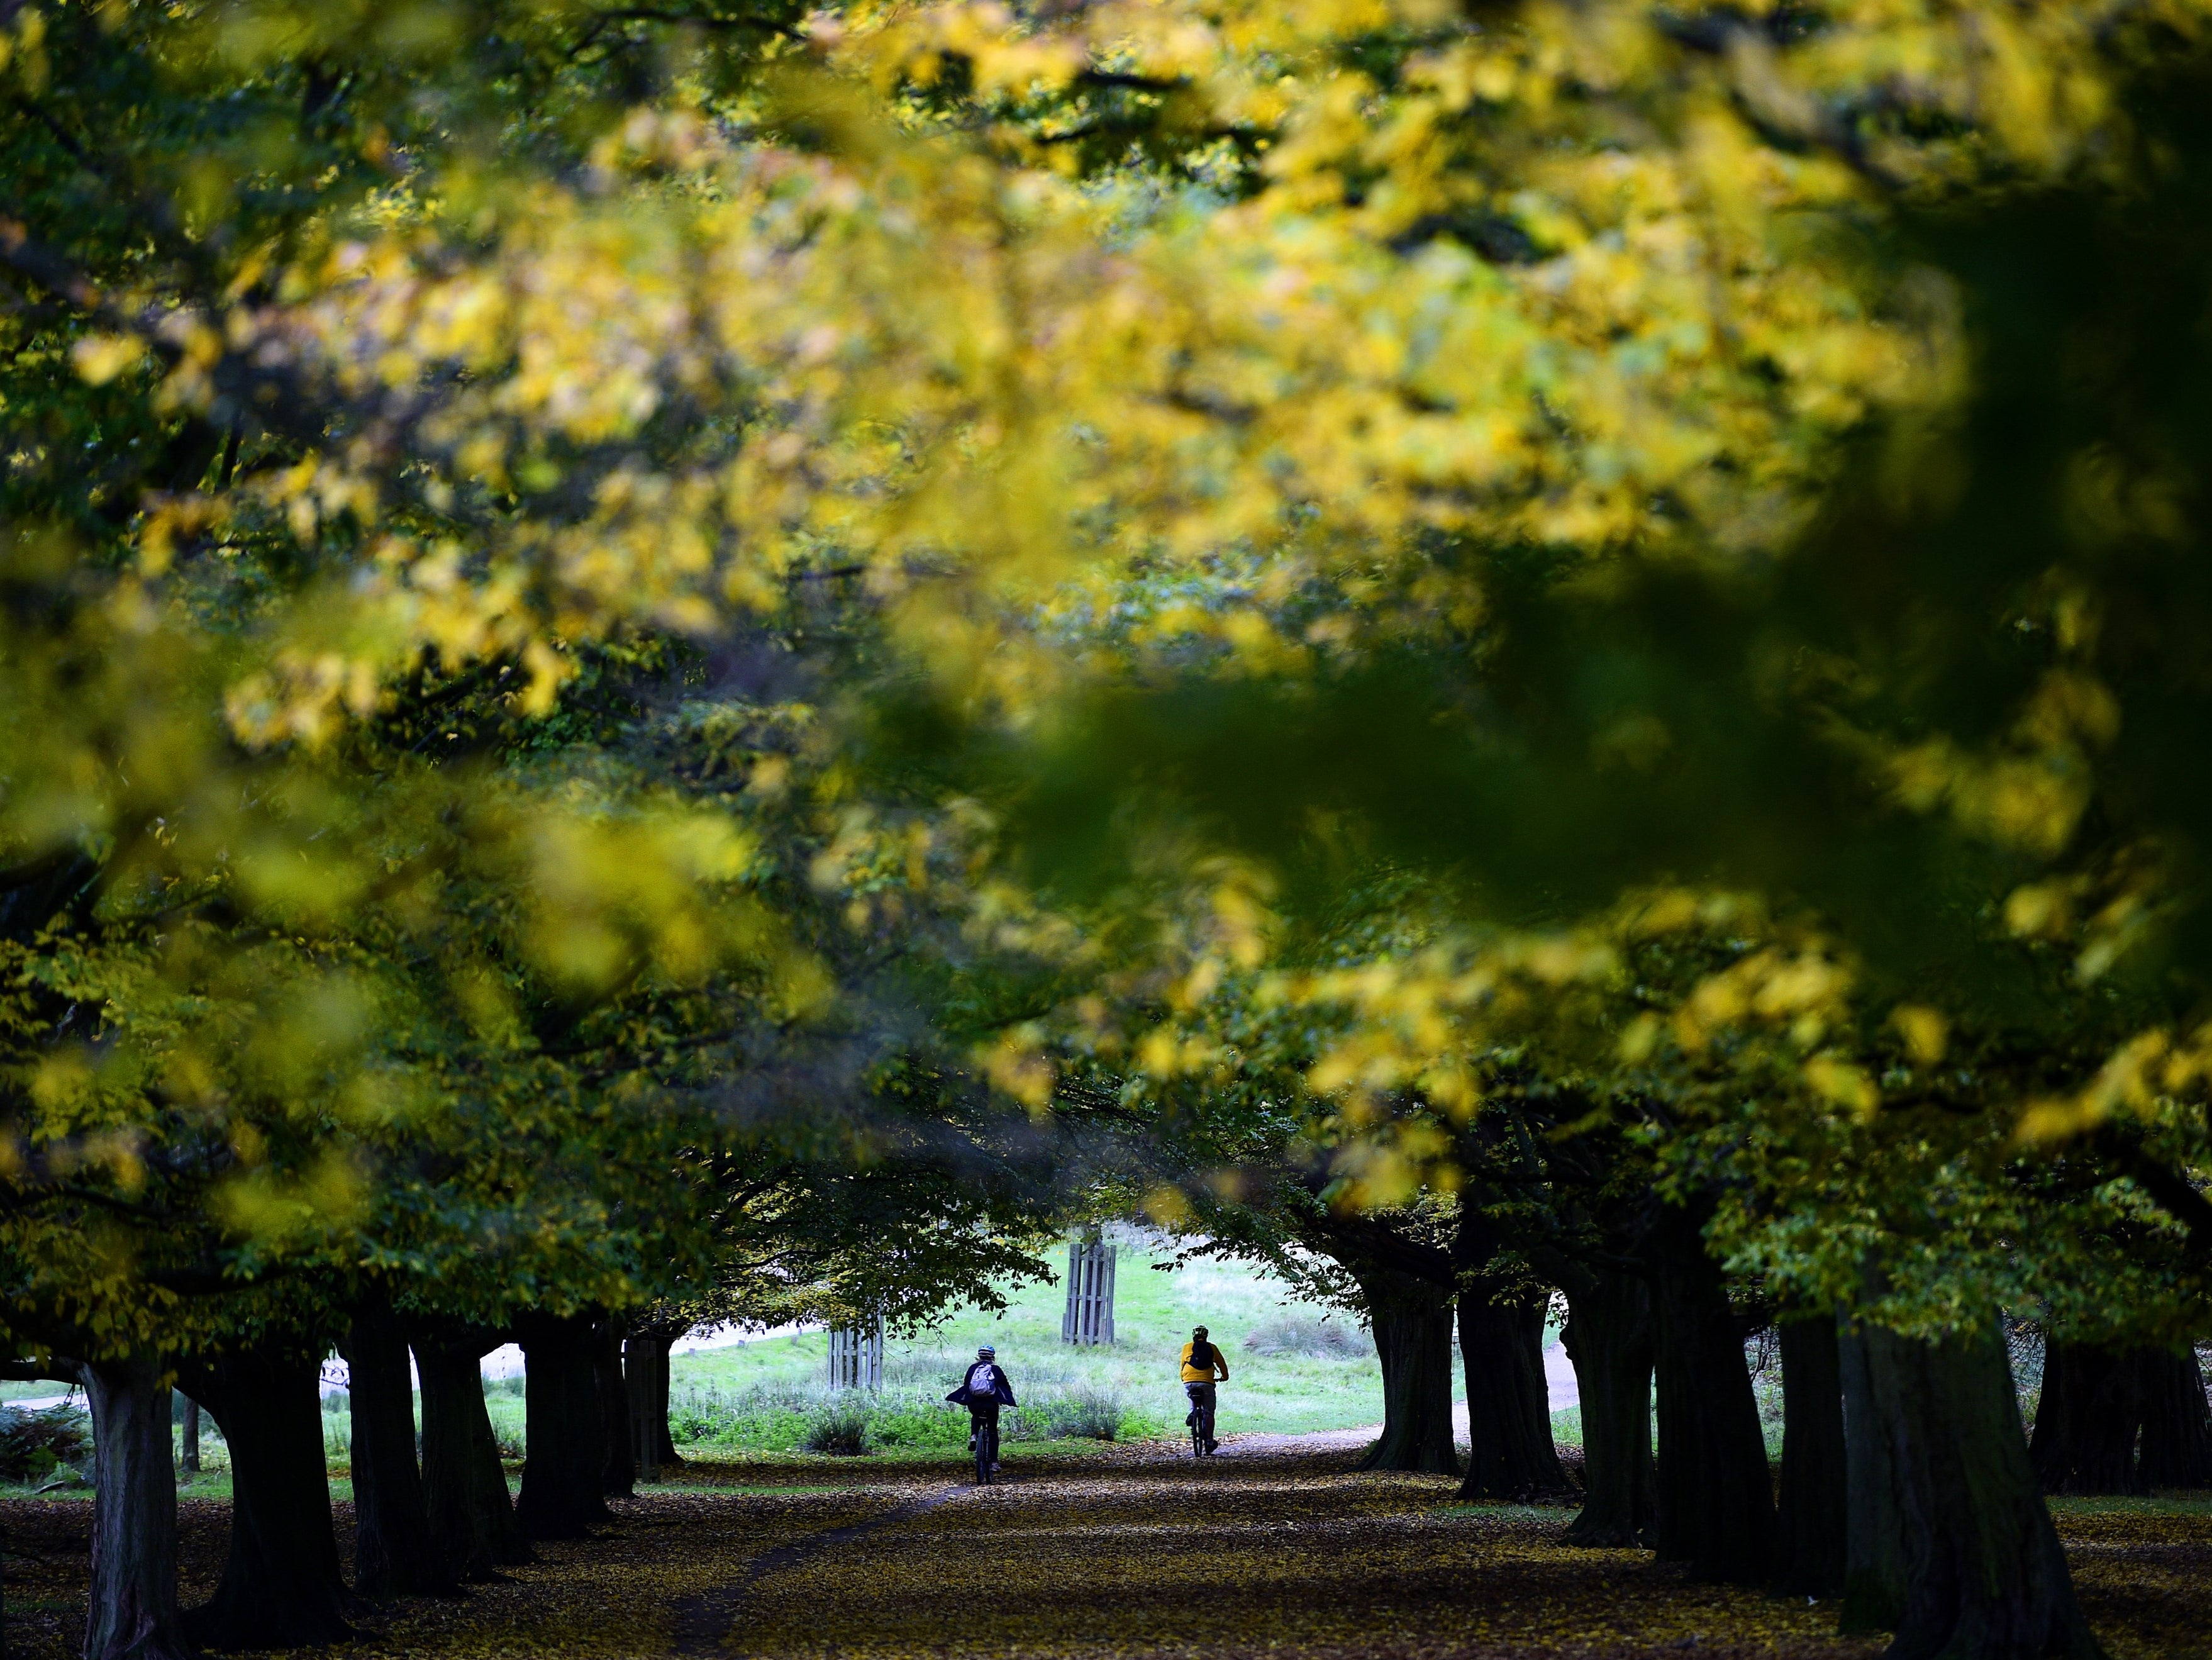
column 1606, row 460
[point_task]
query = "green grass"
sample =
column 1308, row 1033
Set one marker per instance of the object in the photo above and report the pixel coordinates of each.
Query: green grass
column 36, row 1389
column 2131, row 1504
column 207, row 1484
column 1154, row 1311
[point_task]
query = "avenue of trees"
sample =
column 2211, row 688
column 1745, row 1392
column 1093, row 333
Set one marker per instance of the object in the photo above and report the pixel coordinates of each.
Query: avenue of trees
column 701, row 662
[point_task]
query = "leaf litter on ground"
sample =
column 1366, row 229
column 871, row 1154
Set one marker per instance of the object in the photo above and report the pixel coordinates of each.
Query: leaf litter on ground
column 1129, row 1551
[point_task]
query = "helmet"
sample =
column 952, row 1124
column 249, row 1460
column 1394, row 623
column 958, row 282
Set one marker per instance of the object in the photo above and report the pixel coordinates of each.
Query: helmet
column 1199, row 1332
column 987, row 1353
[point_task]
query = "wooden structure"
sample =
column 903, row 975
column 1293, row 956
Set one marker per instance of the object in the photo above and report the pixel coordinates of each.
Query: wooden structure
column 1090, row 1315
column 856, row 1355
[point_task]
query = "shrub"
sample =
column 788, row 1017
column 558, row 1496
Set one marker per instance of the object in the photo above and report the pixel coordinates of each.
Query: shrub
column 1087, row 1412
column 925, row 1421
column 1322, row 1339
column 770, row 1416
column 33, row 1444
column 839, row 1426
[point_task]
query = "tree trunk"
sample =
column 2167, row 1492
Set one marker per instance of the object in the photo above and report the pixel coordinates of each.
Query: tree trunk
column 2086, row 1420
column 663, row 1343
column 1608, row 1338
column 394, row 1552
column 1983, row 1576
column 1509, row 1406
column 188, row 1435
column 642, row 1352
column 1874, row 1531
column 2176, row 1433
column 619, row 1473
column 566, row 1456
column 1716, row 1495
column 1412, row 1322
column 281, row 1586
column 1811, row 1524
column 134, row 1515
column 473, row 1521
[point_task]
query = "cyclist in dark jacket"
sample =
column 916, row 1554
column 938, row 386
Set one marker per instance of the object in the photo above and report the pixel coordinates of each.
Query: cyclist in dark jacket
column 983, row 1391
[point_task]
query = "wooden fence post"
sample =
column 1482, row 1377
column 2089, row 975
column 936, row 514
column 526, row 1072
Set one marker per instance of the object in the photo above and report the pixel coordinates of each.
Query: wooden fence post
column 1089, row 1317
column 856, row 1354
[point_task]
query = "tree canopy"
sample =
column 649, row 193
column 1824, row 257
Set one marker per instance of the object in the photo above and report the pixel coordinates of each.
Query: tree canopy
column 671, row 652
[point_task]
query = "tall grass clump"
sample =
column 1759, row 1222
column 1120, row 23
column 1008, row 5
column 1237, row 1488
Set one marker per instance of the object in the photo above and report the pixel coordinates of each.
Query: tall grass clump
column 1087, row 1412
column 839, row 1426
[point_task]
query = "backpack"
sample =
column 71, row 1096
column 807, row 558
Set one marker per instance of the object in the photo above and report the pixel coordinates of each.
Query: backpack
column 1201, row 1354
column 982, row 1382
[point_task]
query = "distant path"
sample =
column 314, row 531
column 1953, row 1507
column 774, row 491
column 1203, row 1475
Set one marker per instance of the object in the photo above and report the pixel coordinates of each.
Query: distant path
column 1281, row 1446
column 1559, row 1383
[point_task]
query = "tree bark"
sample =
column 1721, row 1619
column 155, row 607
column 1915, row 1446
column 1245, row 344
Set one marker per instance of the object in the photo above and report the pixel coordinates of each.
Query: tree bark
column 1412, row 1322
column 1873, row 1534
column 641, row 1352
column 280, row 1587
column 669, row 1459
column 2087, row 1418
column 1608, row 1338
column 394, row 1552
column 2176, row 1432
column 1509, row 1406
column 1983, row 1576
column 133, row 1613
column 1811, row 1529
column 473, row 1521
column 619, row 1473
column 188, row 1436
column 1716, row 1495
column 567, row 1456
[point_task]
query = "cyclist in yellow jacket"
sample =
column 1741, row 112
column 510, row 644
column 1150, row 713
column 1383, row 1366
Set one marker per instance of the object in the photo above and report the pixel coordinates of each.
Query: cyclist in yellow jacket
column 1203, row 1365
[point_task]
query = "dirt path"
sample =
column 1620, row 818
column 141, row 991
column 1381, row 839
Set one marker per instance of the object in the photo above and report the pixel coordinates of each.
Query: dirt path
column 1281, row 1550
column 705, row 1624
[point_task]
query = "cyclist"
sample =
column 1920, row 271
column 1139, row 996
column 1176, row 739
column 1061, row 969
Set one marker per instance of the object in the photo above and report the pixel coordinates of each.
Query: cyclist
column 1203, row 1366
column 983, row 1391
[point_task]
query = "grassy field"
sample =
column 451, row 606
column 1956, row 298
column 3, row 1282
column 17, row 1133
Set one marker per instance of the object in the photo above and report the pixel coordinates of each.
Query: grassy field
column 1294, row 1366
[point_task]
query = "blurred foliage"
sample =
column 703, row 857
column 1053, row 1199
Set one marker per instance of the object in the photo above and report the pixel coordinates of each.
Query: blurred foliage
column 670, row 653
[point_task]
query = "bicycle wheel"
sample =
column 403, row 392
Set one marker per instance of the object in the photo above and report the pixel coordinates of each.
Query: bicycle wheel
column 987, row 1450
column 1197, row 1430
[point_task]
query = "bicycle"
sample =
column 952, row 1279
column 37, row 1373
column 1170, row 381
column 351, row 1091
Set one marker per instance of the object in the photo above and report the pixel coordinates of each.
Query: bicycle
column 987, row 1448
column 1202, row 1423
